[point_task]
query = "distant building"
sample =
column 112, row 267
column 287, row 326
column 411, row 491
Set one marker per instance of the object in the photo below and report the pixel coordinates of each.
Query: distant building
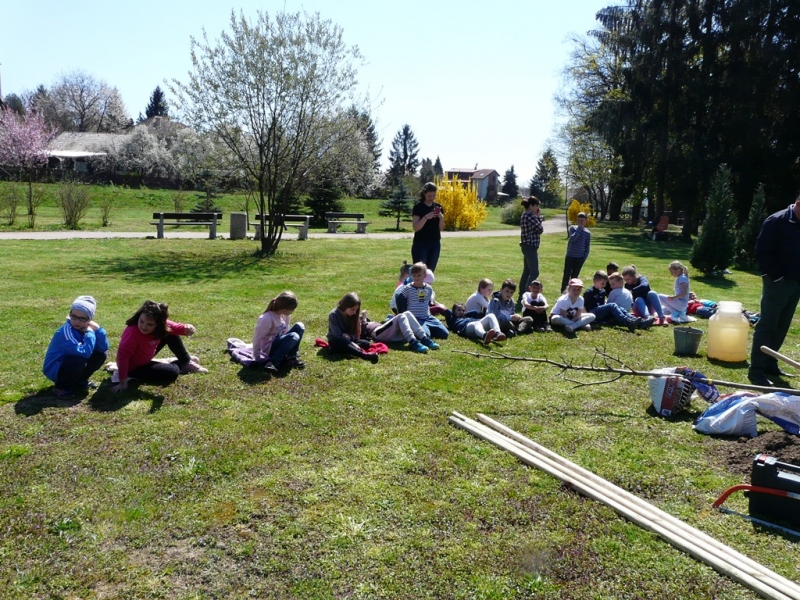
column 485, row 180
column 72, row 150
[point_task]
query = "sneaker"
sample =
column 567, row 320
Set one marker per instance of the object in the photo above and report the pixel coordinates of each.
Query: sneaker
column 488, row 337
column 569, row 329
column 417, row 346
column 500, row 337
column 429, row 343
column 665, row 322
column 64, row 394
column 634, row 324
column 194, row 359
column 373, row 358
column 294, row 362
column 647, row 323
column 548, row 329
column 270, row 368
column 586, row 327
column 193, row 367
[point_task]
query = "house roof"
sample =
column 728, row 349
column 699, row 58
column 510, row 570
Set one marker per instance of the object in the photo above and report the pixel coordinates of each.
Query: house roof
column 84, row 143
column 483, row 173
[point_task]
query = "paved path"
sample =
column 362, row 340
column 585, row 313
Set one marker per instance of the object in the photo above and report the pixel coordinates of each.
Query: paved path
column 554, row 225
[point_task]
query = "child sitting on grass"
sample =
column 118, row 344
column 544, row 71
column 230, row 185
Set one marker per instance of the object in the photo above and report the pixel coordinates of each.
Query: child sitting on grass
column 535, row 306
column 502, row 306
column 618, row 294
column 78, row 348
column 416, row 298
column 568, row 310
column 478, row 303
column 594, row 301
column 344, row 329
column 275, row 344
column 645, row 300
column 485, row 329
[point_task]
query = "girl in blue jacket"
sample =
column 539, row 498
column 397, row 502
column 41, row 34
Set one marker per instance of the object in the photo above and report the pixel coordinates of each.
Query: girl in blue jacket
column 77, row 350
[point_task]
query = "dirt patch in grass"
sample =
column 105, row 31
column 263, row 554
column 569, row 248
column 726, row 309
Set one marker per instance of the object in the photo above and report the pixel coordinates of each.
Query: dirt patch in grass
column 738, row 455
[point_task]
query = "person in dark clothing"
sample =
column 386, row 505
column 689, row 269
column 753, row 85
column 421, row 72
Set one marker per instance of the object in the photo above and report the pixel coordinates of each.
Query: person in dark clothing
column 778, row 255
column 427, row 220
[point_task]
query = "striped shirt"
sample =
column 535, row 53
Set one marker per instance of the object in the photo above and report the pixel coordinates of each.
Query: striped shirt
column 578, row 244
column 531, row 229
column 418, row 300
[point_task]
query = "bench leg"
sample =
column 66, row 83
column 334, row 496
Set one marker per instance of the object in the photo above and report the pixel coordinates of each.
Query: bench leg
column 361, row 228
column 212, row 230
column 160, row 227
column 333, row 228
column 257, row 234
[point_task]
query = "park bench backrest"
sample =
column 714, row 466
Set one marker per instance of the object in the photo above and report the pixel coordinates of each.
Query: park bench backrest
column 341, row 215
column 195, row 216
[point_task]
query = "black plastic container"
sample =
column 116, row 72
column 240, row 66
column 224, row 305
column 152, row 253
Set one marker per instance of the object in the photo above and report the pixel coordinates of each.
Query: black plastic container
column 770, row 473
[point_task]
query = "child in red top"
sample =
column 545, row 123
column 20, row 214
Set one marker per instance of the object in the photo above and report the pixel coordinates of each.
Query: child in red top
column 147, row 332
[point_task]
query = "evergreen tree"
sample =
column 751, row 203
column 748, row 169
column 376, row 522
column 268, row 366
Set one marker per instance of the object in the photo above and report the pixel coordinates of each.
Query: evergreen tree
column 546, row 184
column 510, row 186
column 426, row 171
column 325, row 197
column 437, row 168
column 715, row 247
column 398, row 205
column 748, row 234
column 403, row 155
column 157, row 107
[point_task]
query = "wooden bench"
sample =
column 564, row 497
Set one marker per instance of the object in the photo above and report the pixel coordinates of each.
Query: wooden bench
column 302, row 222
column 209, row 219
column 337, row 219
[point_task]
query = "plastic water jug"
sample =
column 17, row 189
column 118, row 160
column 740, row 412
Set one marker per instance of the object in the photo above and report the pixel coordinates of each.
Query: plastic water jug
column 727, row 333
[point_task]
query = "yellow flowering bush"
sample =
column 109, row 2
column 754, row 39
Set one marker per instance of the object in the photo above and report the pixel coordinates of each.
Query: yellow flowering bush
column 576, row 207
column 462, row 209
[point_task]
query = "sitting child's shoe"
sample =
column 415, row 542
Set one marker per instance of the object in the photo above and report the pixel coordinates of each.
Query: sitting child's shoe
column 193, row 367
column 634, row 324
column 417, row 346
column 429, row 343
column 294, row 362
column 64, row 394
column 586, row 327
column 500, row 337
column 488, row 337
column 270, row 368
column 647, row 323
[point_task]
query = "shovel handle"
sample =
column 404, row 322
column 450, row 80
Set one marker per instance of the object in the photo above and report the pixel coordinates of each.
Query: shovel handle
column 779, row 356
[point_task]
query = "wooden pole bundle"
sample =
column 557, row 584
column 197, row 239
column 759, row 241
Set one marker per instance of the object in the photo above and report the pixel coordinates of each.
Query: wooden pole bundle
column 694, row 542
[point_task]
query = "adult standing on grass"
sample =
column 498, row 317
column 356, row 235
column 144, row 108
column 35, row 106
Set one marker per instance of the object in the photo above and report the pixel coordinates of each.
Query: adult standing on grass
column 778, row 255
column 530, row 228
column 427, row 219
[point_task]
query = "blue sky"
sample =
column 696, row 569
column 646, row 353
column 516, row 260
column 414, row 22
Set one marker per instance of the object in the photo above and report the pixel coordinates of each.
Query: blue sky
column 474, row 80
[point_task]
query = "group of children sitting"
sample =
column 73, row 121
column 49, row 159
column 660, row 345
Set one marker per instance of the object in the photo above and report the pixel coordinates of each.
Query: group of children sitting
column 80, row 346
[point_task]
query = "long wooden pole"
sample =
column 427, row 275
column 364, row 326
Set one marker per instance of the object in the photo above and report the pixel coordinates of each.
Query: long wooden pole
column 751, row 574
column 779, row 356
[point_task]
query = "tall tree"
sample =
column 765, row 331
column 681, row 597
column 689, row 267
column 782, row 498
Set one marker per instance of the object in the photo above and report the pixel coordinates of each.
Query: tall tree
column 275, row 91
column 437, row 168
column 510, row 186
column 546, row 183
column 79, row 102
column 157, row 107
column 426, row 171
column 403, row 155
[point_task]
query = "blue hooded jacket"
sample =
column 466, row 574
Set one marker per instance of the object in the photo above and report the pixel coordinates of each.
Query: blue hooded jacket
column 68, row 341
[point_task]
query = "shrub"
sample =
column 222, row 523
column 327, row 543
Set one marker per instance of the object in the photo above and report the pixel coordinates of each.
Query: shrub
column 715, row 247
column 399, row 205
column 73, row 200
column 576, row 207
column 325, row 196
column 9, row 202
column 748, row 234
column 511, row 213
column 462, row 209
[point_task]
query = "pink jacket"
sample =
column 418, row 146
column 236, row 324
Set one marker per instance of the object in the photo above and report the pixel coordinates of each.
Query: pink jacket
column 136, row 349
column 270, row 325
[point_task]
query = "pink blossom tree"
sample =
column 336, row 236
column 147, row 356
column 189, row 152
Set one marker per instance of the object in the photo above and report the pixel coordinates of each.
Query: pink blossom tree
column 23, row 143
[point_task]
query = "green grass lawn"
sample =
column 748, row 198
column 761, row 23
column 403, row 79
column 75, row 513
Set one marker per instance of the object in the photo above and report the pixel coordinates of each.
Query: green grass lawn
column 345, row 480
column 132, row 210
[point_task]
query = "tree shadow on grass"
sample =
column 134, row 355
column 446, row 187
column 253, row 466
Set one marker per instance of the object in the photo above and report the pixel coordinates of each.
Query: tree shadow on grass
column 174, row 266
column 717, row 282
column 635, row 243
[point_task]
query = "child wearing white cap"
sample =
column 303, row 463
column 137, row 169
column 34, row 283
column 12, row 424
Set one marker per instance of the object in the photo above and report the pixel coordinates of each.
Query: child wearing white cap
column 568, row 311
column 77, row 350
